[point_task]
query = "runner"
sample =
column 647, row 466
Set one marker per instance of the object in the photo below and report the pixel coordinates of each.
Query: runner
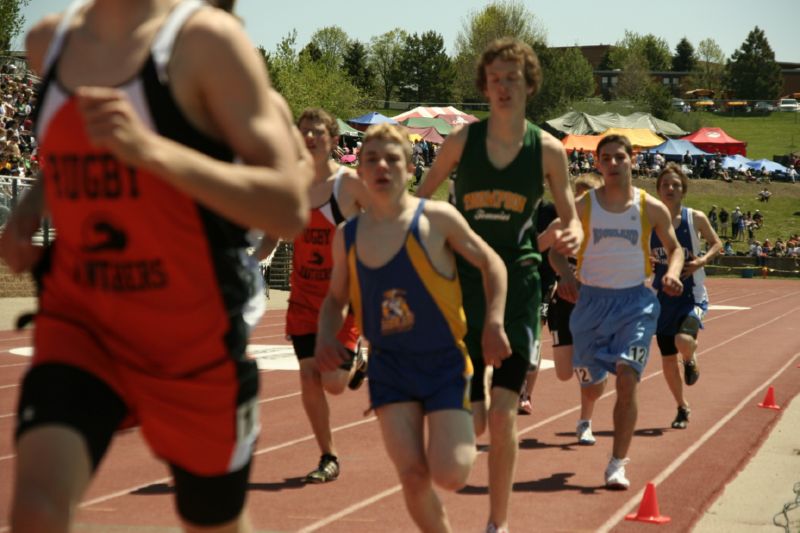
column 147, row 296
column 615, row 317
column 336, row 194
column 395, row 264
column 558, row 314
column 682, row 316
column 502, row 164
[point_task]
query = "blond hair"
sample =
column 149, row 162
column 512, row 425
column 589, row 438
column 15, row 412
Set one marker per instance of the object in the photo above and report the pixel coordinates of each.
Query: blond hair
column 388, row 133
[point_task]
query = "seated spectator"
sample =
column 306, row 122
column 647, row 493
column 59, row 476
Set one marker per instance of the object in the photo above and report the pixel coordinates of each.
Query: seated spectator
column 763, row 195
column 727, row 248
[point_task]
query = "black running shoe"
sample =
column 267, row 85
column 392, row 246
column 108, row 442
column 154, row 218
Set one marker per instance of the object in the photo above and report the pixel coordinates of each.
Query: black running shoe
column 681, row 419
column 360, row 363
column 328, row 470
column 691, row 372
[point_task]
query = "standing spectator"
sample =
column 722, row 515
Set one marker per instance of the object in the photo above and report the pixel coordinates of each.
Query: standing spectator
column 736, row 217
column 723, row 222
column 712, row 218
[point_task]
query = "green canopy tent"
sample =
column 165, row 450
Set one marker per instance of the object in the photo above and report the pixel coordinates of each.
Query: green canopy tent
column 441, row 126
column 347, row 130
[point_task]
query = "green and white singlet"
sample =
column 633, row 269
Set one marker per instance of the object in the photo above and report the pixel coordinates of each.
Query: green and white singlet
column 500, row 205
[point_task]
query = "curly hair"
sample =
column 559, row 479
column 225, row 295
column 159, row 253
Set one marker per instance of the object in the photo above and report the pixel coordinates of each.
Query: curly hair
column 511, row 49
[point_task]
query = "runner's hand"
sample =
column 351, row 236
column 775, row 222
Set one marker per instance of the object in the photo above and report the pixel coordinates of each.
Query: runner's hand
column 671, row 286
column 567, row 288
column 112, row 124
column 16, row 247
column 568, row 241
column 495, row 345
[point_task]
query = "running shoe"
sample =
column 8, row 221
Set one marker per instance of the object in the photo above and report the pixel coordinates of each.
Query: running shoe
column 682, row 418
column 491, row 528
column 584, row 433
column 525, row 406
column 691, row 372
column 328, row 470
column 615, row 474
column 360, row 362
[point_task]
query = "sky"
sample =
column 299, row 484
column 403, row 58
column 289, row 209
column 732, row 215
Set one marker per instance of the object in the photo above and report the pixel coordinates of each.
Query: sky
column 566, row 23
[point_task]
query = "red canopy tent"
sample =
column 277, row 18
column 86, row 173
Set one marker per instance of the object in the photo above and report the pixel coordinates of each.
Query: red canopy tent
column 433, row 112
column 429, row 134
column 713, row 140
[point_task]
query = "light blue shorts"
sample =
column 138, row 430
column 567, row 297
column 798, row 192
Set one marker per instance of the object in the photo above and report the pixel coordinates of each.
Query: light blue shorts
column 611, row 326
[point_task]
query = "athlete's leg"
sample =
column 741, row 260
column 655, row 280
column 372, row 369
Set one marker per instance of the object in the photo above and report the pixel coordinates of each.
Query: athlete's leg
column 502, row 452
column 451, row 447
column 316, row 405
column 562, row 357
column 403, row 436
column 589, row 396
column 625, row 410
column 672, row 375
column 53, row 469
column 686, row 345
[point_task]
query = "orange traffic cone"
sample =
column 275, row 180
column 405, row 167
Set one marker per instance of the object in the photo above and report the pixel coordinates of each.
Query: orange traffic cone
column 769, row 400
column 648, row 508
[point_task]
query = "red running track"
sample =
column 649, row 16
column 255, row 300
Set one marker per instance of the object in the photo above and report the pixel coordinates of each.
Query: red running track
column 558, row 484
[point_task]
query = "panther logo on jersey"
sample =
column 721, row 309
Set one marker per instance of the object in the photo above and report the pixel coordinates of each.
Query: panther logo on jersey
column 396, row 317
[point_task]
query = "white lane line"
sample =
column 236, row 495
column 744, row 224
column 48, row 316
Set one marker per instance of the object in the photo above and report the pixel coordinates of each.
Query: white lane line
column 674, row 465
column 393, row 490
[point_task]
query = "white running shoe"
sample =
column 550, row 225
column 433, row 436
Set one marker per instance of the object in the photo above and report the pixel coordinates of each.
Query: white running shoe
column 491, row 528
column 584, row 433
column 615, row 474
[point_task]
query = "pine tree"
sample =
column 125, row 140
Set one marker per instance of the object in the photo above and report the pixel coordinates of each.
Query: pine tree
column 753, row 73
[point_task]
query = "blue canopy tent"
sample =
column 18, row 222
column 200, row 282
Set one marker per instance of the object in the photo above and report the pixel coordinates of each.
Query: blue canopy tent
column 766, row 164
column 674, row 149
column 365, row 121
column 735, row 161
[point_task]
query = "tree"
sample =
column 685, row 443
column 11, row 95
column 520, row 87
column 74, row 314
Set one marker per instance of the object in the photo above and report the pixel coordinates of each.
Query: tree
column 635, row 79
column 652, row 50
column 356, row 66
column 567, row 77
column 427, row 73
column 710, row 67
column 507, row 18
column 332, row 43
column 305, row 82
column 684, row 59
column 752, row 70
column 11, row 21
column 386, row 52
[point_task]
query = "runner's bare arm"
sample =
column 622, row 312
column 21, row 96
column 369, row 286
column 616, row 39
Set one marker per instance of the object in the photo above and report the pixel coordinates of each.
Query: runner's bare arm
column 269, row 192
column 703, row 226
column 446, row 161
column 661, row 222
column 554, row 162
column 16, row 248
column 353, row 195
column 446, row 220
column 329, row 352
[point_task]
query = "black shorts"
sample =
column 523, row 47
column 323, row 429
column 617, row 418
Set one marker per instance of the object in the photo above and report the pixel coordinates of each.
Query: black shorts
column 64, row 395
column 511, row 375
column 304, row 349
column 558, row 315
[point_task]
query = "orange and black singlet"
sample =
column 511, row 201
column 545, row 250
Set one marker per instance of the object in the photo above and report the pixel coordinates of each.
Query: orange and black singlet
column 164, row 284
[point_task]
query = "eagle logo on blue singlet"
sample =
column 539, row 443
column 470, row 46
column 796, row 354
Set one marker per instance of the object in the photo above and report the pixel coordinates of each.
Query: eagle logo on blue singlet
column 396, row 317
